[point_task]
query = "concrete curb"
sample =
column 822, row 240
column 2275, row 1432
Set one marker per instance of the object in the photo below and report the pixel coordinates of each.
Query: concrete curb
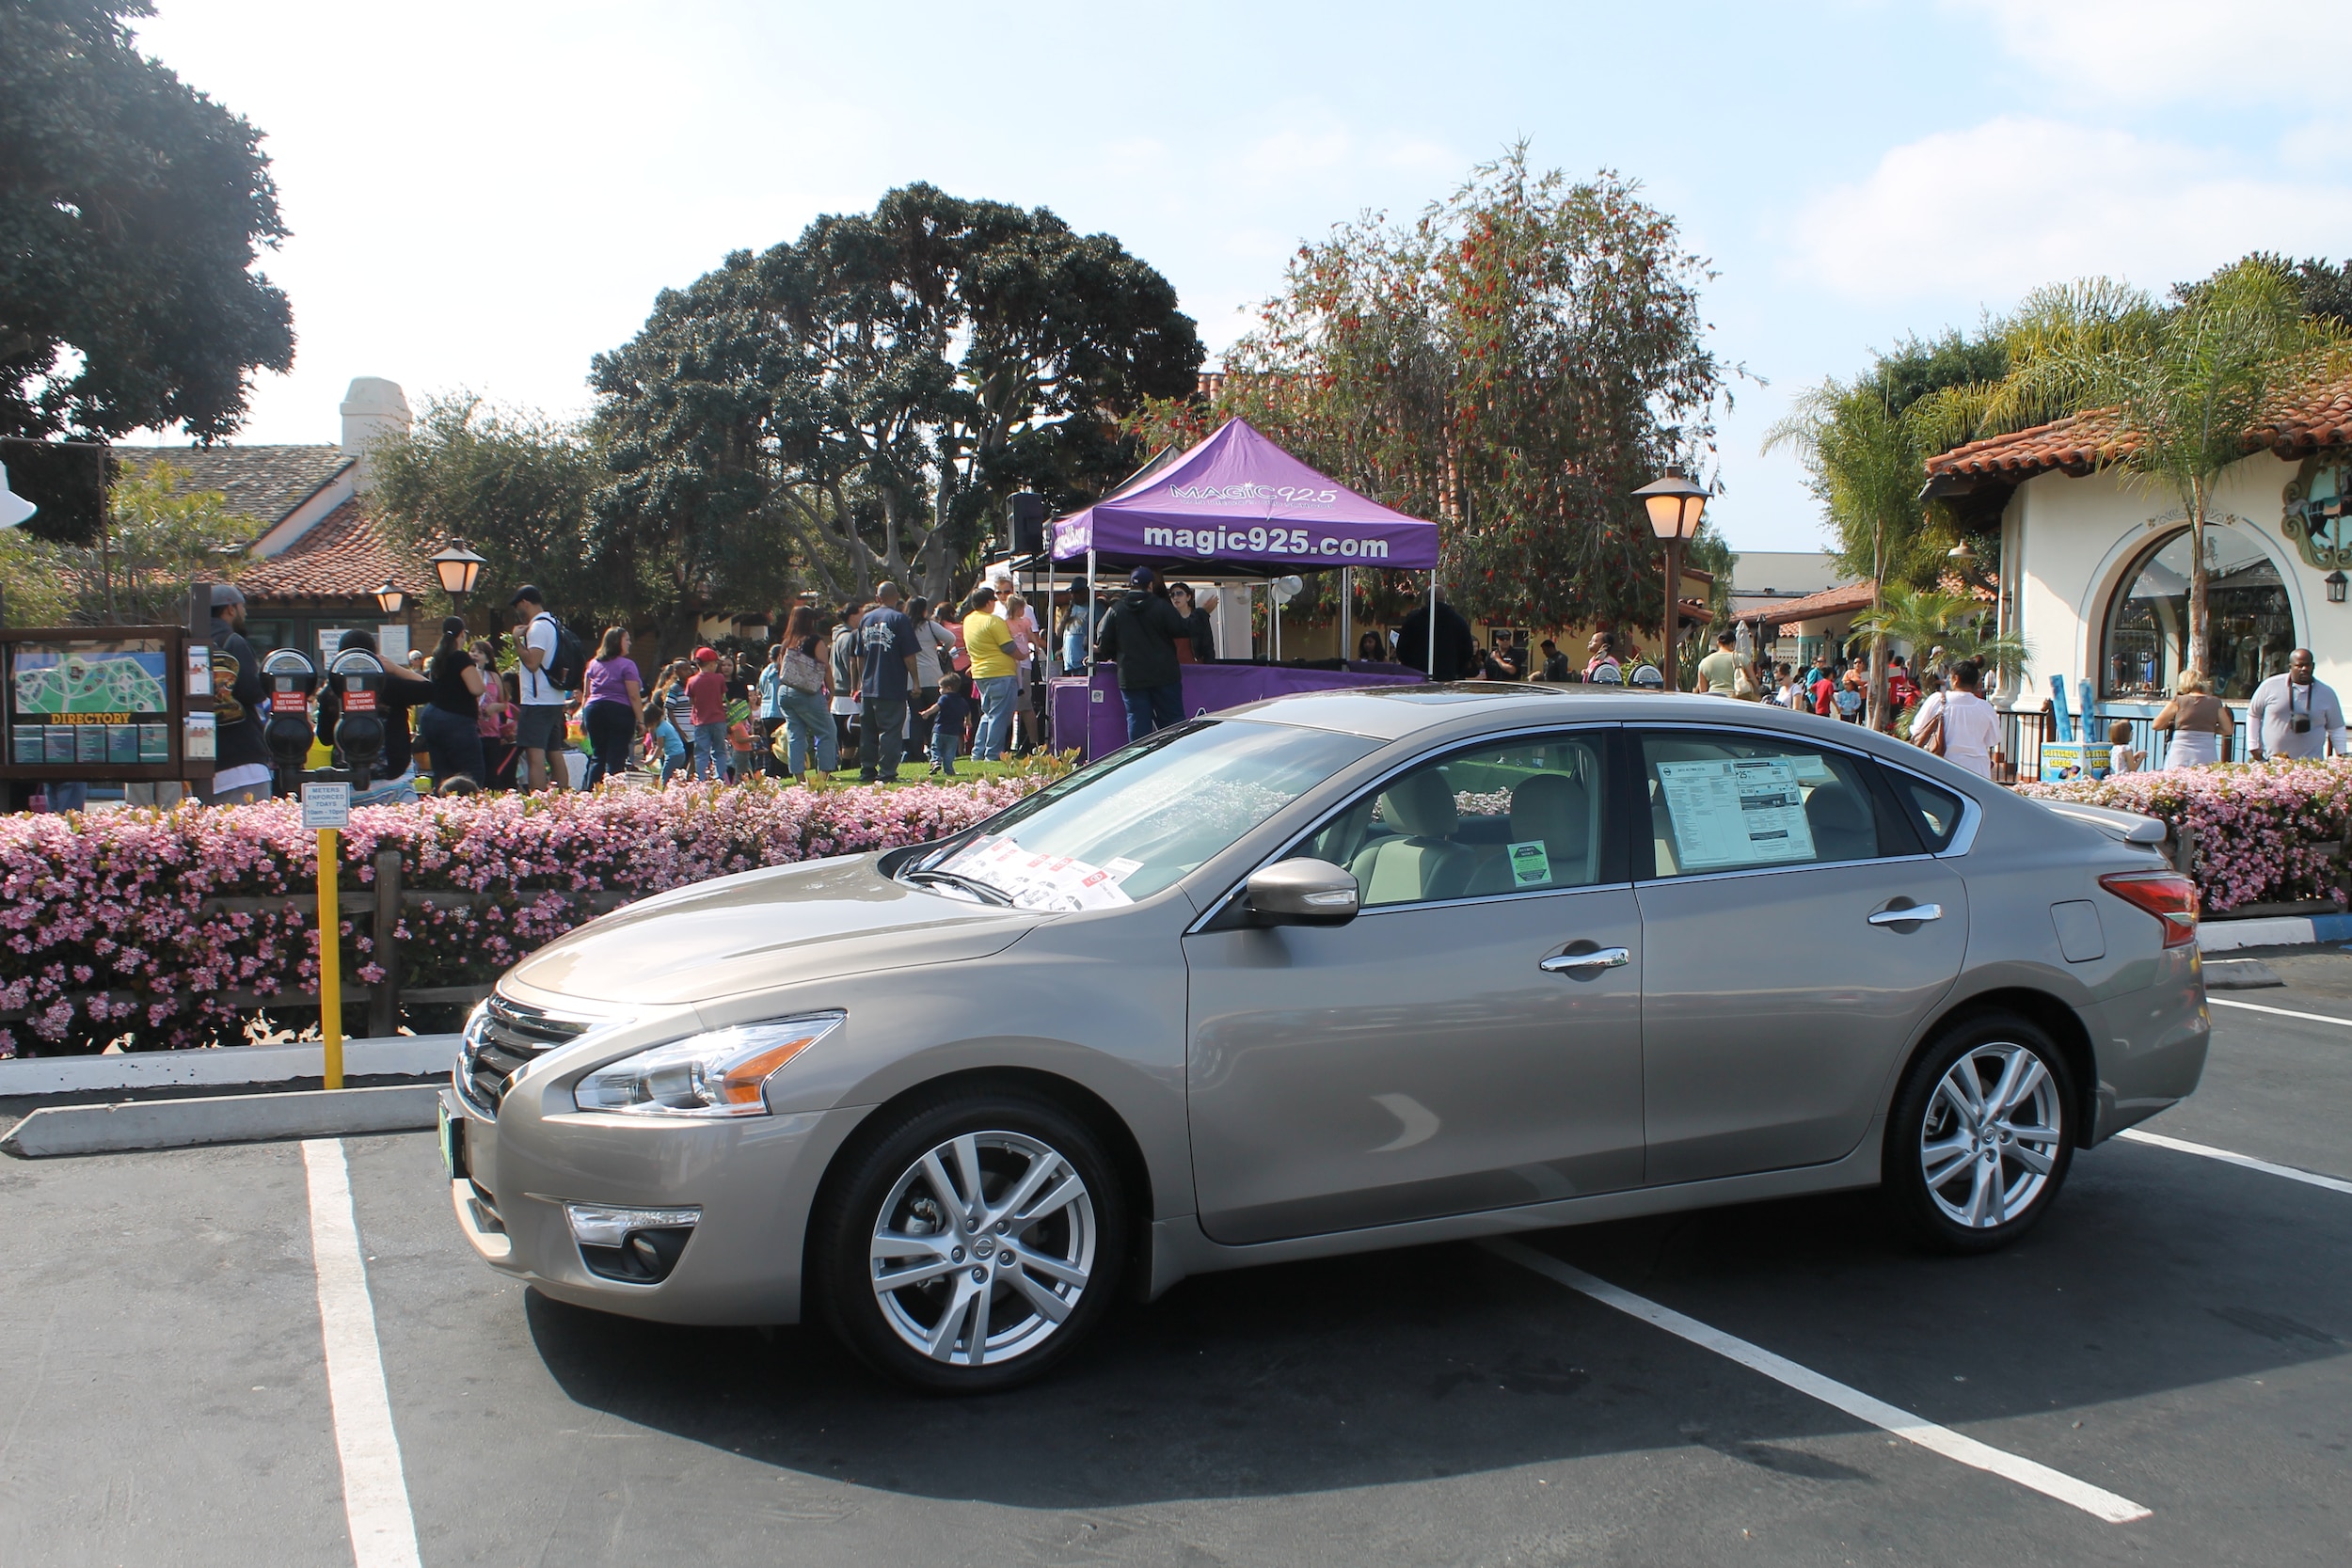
column 236, row 1118
column 2294, row 930
column 398, row 1057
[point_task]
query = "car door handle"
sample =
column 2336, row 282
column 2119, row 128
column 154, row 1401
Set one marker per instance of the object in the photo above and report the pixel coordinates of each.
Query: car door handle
column 1907, row 914
column 1601, row 958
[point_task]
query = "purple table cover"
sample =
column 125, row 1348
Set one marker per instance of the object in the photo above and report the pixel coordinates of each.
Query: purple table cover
column 1088, row 712
column 1239, row 502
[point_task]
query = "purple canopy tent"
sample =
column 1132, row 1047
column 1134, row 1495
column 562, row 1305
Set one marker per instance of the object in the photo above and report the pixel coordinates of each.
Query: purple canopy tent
column 1239, row 501
column 1234, row 506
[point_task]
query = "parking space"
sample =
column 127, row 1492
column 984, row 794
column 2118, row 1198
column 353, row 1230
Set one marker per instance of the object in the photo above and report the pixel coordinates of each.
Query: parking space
column 2173, row 1336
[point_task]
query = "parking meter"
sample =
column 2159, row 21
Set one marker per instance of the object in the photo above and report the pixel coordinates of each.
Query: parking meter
column 288, row 678
column 357, row 678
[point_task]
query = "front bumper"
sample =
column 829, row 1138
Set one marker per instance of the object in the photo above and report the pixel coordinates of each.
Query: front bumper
column 754, row 1178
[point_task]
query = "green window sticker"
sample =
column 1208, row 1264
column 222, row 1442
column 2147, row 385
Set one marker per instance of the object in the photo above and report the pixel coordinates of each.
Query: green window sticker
column 1531, row 864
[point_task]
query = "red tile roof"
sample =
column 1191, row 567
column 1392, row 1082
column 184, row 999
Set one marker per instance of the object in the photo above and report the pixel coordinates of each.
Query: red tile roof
column 1842, row 600
column 2304, row 420
column 342, row 556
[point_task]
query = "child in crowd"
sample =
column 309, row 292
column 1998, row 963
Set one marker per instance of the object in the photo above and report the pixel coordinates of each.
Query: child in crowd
column 2125, row 758
column 946, row 718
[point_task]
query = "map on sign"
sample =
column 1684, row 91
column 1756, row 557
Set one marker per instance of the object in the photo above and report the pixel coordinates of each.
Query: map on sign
column 124, row 678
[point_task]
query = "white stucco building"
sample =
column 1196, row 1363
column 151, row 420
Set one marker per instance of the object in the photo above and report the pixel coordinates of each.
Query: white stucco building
column 2093, row 567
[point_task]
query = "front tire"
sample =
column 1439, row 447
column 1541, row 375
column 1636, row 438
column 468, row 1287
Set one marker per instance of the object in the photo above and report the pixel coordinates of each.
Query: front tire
column 971, row 1244
column 1982, row 1133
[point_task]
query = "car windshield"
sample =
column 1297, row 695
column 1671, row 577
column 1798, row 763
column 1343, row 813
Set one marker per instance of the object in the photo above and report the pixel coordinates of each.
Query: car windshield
column 1135, row 822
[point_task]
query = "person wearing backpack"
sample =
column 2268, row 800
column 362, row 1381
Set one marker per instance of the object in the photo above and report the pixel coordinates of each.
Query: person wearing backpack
column 553, row 660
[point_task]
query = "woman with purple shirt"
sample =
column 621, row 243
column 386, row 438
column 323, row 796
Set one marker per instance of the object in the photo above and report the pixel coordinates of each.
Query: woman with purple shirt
column 614, row 690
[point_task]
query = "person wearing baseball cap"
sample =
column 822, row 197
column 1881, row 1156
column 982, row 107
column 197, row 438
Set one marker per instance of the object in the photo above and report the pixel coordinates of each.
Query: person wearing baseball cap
column 241, row 770
column 539, row 728
column 1140, row 635
column 707, row 693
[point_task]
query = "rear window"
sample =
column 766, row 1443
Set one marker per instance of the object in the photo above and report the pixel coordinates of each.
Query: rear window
column 1933, row 810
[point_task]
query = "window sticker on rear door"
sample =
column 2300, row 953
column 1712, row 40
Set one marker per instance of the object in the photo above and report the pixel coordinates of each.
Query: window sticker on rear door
column 1531, row 864
column 1737, row 812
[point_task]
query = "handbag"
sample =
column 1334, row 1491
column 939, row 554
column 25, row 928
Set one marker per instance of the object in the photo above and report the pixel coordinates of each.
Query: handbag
column 802, row 672
column 1929, row 738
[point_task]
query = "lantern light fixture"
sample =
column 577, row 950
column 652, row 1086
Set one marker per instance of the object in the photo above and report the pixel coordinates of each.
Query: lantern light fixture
column 2335, row 581
column 391, row 599
column 457, row 567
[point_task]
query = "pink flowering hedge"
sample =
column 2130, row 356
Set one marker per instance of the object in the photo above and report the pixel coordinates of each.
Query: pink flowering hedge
column 107, row 933
column 2266, row 832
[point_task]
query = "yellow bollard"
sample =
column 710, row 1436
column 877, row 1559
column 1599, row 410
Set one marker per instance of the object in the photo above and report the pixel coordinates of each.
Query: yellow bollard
column 330, row 961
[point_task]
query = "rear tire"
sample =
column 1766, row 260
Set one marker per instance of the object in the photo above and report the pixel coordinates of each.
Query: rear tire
column 971, row 1244
column 1981, row 1135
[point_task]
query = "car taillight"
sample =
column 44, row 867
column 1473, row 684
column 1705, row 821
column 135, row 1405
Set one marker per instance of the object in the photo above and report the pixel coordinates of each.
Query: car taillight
column 2167, row 895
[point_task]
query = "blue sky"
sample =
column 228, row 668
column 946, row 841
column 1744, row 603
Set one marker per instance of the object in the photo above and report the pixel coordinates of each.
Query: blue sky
column 485, row 194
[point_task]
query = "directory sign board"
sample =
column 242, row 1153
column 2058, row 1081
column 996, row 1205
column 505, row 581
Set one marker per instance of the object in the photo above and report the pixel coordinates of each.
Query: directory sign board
column 95, row 703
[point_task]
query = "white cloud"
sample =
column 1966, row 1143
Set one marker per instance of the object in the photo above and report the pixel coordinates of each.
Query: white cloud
column 2164, row 50
column 1984, row 214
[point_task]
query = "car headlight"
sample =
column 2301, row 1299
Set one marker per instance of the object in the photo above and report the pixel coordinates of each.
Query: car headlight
column 722, row 1073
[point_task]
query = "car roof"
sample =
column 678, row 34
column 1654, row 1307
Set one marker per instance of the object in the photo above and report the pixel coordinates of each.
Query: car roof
column 1446, row 711
column 1400, row 711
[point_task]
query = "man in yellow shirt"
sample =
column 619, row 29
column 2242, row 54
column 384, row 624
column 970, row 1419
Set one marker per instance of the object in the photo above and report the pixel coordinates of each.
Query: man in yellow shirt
column 989, row 641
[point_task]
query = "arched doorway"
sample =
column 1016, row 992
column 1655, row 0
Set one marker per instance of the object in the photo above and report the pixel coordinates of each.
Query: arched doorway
column 2144, row 639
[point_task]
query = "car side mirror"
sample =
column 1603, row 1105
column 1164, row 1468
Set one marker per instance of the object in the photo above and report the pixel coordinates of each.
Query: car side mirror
column 1302, row 893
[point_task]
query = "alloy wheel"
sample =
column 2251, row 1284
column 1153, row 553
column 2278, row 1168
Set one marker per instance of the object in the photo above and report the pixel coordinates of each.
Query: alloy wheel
column 1990, row 1136
column 984, row 1248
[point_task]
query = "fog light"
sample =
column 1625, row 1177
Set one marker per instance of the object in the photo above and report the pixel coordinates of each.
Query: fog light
column 638, row 1246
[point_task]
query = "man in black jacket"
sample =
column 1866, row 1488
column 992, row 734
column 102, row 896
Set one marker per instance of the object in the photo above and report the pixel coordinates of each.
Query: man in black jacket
column 1457, row 650
column 240, row 764
column 1140, row 635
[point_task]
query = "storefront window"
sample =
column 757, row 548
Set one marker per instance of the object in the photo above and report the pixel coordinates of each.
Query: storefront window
column 2146, row 642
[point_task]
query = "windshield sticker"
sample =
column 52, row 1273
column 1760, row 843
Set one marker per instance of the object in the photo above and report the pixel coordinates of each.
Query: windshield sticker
column 1531, row 864
column 1121, row 868
column 1812, row 768
column 1039, row 881
column 1738, row 812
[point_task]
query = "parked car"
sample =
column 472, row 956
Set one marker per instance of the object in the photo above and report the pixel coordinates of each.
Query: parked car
column 1338, row 971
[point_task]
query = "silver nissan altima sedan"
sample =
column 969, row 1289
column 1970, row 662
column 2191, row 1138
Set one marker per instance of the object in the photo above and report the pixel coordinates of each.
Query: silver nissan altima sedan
column 1328, row 974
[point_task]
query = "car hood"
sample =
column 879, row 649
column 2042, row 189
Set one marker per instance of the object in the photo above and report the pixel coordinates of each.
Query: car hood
column 762, row 929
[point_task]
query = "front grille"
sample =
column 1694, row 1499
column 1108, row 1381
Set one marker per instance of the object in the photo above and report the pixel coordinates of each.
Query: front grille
column 502, row 1040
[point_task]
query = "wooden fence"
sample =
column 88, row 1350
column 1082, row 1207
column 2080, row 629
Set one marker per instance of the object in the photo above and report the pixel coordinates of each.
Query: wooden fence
column 381, row 907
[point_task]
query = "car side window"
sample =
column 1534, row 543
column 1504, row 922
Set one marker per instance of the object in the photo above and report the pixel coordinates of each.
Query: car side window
column 1728, row 800
column 1517, row 816
column 1934, row 812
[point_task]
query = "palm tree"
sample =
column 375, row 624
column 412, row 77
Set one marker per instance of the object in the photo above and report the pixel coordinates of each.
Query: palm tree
column 1865, row 461
column 1927, row 619
column 2186, row 384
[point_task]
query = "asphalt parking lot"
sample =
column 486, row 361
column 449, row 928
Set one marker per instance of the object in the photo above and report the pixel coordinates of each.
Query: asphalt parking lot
column 2174, row 1336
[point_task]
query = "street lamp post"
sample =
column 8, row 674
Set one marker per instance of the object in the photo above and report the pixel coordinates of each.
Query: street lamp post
column 391, row 599
column 457, row 567
column 1675, row 506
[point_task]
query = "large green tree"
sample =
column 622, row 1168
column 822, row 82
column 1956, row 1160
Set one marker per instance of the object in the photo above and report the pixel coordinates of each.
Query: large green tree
column 132, row 210
column 1512, row 364
column 867, row 395
column 515, row 486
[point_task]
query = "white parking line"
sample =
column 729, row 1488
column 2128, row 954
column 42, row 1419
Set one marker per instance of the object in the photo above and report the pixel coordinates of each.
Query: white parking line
column 2333, row 1184
column 2093, row 1500
column 2279, row 1012
column 376, row 1495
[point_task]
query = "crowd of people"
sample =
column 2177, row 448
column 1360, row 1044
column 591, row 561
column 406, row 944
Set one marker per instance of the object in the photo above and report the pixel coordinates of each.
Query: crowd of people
column 879, row 681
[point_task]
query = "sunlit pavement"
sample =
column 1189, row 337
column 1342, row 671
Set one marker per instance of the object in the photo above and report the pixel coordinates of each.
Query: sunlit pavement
column 2173, row 1337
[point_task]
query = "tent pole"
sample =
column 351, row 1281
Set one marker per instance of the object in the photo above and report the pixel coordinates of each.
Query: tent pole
column 1432, row 659
column 1347, row 613
column 1093, row 617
